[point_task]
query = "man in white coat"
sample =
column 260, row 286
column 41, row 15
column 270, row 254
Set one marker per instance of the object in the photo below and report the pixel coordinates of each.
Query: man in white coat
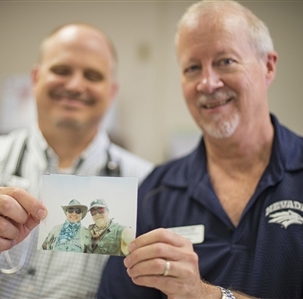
column 74, row 85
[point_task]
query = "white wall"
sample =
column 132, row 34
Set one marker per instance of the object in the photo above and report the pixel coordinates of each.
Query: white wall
column 150, row 107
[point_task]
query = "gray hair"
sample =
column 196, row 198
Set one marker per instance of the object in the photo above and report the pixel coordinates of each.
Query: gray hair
column 258, row 32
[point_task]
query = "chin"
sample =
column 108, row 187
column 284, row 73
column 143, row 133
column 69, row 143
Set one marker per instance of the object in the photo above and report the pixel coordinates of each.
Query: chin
column 100, row 222
column 71, row 124
column 221, row 129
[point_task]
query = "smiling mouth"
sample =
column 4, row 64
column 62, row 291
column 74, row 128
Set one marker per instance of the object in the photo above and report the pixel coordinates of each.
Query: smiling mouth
column 216, row 104
column 74, row 101
column 71, row 99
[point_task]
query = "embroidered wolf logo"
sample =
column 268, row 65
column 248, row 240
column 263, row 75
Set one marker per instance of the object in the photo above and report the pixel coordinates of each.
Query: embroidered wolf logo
column 286, row 218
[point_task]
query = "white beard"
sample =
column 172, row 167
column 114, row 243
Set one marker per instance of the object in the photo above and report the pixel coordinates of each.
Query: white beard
column 221, row 128
column 101, row 223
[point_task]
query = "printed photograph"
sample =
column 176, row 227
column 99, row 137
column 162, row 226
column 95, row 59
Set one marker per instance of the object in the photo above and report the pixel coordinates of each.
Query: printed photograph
column 88, row 214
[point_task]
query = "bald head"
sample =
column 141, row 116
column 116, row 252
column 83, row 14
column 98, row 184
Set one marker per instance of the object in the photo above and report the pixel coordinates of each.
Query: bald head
column 79, row 32
column 75, row 80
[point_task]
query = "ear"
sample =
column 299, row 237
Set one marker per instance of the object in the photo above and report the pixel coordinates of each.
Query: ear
column 34, row 75
column 271, row 67
column 114, row 89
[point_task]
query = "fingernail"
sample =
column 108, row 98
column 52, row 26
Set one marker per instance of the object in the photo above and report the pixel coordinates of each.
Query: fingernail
column 42, row 214
column 131, row 247
column 127, row 261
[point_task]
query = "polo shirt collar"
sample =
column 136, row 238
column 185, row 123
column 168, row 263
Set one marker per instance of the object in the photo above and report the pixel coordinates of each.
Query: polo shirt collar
column 286, row 156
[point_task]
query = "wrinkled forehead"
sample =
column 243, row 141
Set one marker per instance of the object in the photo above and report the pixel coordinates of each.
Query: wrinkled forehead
column 207, row 26
column 214, row 20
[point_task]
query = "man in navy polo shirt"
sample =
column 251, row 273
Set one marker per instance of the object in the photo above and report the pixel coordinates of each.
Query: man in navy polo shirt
column 233, row 208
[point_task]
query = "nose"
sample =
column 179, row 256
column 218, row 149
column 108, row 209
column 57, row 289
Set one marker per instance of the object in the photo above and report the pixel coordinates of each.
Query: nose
column 209, row 81
column 75, row 82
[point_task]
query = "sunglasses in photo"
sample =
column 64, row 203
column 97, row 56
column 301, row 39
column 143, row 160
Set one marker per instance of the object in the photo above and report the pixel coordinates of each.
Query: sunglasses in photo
column 99, row 210
column 72, row 210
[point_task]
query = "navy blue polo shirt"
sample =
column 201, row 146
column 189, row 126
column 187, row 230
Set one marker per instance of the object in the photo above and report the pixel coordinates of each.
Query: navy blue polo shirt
column 261, row 257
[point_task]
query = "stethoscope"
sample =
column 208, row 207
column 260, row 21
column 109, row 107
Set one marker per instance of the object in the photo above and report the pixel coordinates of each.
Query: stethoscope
column 111, row 168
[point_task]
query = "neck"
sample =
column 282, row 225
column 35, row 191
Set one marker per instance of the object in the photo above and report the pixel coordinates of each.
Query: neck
column 241, row 153
column 104, row 226
column 235, row 167
column 68, row 144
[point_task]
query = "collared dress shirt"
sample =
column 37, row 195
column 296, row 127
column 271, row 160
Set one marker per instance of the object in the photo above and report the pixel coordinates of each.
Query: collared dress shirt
column 49, row 274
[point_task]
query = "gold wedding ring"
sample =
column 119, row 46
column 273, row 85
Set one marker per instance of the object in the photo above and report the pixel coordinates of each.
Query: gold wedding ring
column 167, row 267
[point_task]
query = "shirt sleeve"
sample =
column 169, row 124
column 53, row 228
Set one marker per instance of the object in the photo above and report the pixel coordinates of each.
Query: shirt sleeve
column 116, row 284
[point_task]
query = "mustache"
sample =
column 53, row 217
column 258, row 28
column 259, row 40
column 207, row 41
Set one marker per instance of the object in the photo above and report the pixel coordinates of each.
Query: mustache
column 73, row 95
column 217, row 96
